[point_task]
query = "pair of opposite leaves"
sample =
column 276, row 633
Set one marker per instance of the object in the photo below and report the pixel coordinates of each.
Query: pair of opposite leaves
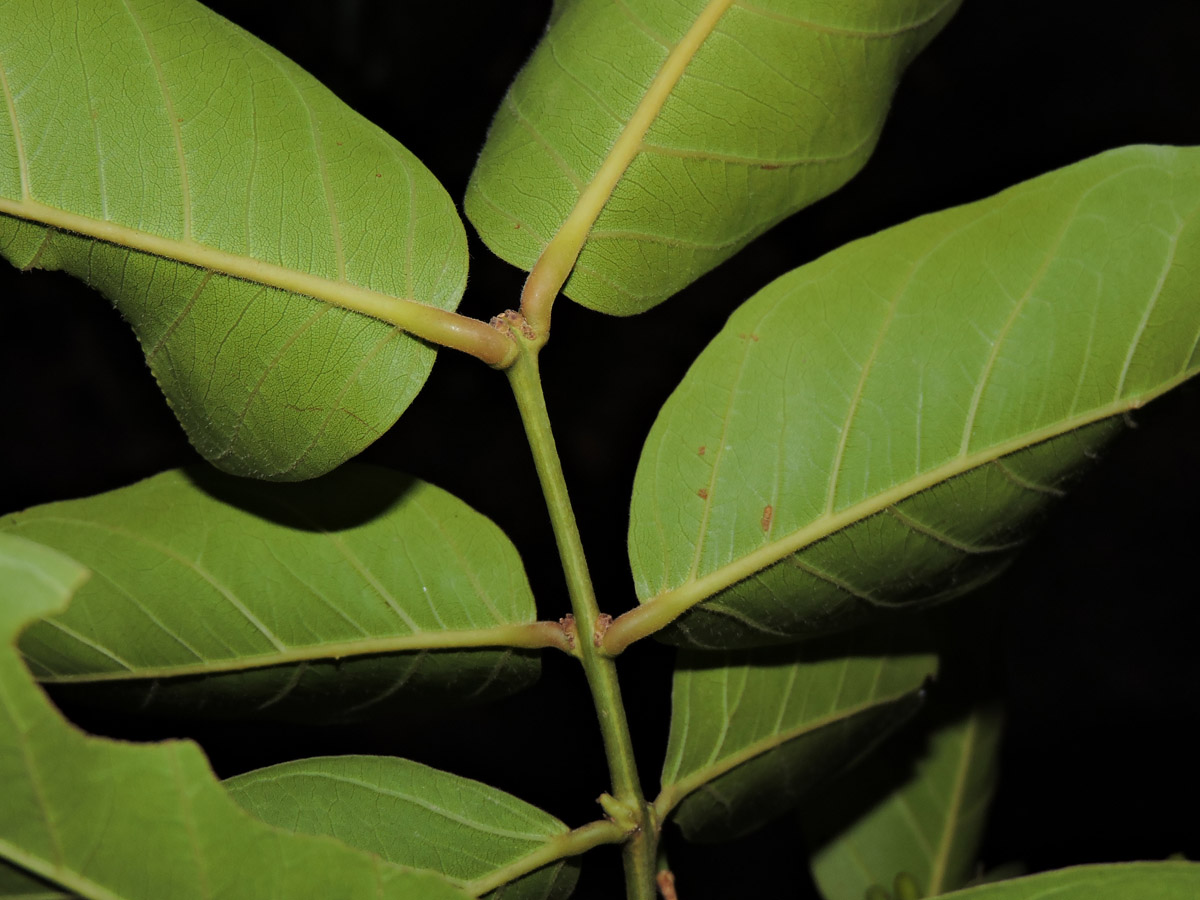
column 203, row 846
column 235, row 211
column 916, row 395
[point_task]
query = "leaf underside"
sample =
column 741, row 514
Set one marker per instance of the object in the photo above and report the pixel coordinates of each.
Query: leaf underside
column 781, row 104
column 879, row 428
column 1126, row 881
column 223, row 596
column 146, row 147
column 927, row 821
column 411, row 815
column 752, row 732
column 105, row 819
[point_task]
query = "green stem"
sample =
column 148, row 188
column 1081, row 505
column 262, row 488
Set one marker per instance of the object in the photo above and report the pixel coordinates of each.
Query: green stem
column 600, row 670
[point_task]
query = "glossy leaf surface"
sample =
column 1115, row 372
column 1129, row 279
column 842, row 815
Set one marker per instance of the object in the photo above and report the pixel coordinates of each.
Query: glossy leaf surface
column 414, row 816
column 1127, row 881
column 212, row 190
column 928, row 824
column 752, row 732
column 709, row 120
column 878, row 428
column 220, row 595
column 76, row 809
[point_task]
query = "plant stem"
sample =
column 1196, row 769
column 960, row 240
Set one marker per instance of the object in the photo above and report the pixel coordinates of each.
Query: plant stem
column 601, row 672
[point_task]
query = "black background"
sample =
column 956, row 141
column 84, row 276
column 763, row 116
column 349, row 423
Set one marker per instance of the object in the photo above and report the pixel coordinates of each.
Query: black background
column 1099, row 672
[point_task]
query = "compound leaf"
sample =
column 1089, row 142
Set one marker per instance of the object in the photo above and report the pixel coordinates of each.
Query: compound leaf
column 114, row 821
column 708, row 120
column 417, row 817
column 928, row 823
column 221, row 595
column 752, row 732
column 235, row 212
column 879, row 427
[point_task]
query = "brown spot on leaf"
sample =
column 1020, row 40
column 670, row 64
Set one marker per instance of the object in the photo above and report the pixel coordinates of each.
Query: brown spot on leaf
column 754, row 337
column 702, row 493
column 378, row 174
column 701, row 450
column 768, row 514
column 770, row 166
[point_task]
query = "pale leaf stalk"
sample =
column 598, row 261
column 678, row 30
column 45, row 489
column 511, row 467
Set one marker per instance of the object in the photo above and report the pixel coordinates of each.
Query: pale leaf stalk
column 525, row 636
column 601, row 673
column 573, row 843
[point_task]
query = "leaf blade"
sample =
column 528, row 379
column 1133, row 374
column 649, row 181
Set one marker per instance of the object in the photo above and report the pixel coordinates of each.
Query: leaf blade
column 212, row 190
column 798, row 715
column 929, row 825
column 414, row 816
column 1165, row 880
column 393, row 577
column 60, row 782
column 689, row 148
column 919, row 425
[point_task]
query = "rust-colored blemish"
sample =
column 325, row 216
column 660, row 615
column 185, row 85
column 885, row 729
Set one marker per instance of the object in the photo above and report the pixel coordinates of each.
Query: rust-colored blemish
column 701, row 450
column 378, row 174
column 768, row 514
column 666, row 884
column 510, row 320
column 754, row 337
column 770, row 166
column 602, row 623
column 567, row 624
column 702, row 493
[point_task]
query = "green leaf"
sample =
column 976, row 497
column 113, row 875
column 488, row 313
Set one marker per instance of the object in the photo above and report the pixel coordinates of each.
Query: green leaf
column 1126, row 881
column 417, row 817
column 752, row 732
column 879, row 427
column 235, row 212
column 661, row 138
column 928, row 822
column 219, row 595
column 76, row 809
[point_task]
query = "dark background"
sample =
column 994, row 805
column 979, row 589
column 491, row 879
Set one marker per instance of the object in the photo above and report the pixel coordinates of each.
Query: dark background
column 1099, row 671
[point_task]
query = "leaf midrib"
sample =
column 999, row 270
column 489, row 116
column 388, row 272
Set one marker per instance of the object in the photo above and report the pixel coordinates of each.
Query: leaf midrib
column 529, row 636
column 941, row 858
column 558, row 258
column 674, row 793
column 403, row 311
column 675, row 601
